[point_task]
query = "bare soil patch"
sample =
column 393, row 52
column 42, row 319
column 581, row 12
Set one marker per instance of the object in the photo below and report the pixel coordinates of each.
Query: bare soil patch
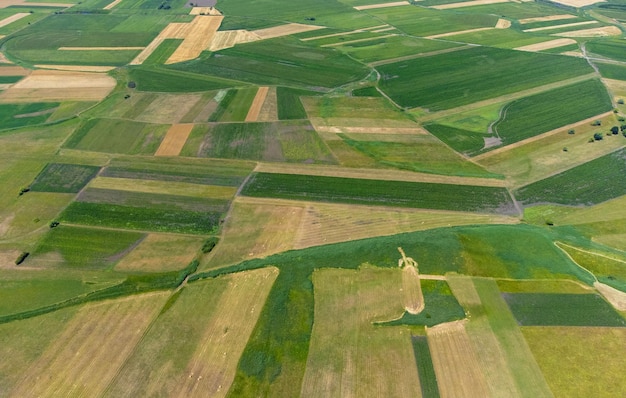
column 546, row 18
column 257, row 103
column 13, row 18
column 617, row 298
column 197, row 39
column 174, row 140
column 468, row 4
column 382, row 5
column 546, row 45
column 595, row 32
column 78, row 68
column 285, row 30
column 47, row 85
column 578, row 3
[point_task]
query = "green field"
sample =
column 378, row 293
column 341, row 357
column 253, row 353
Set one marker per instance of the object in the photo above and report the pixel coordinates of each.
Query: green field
column 612, row 49
column 289, row 104
column 165, row 80
column 535, row 309
column 162, row 52
column 379, row 192
column 581, row 185
column 57, row 177
column 19, row 115
column 428, row 379
column 436, row 82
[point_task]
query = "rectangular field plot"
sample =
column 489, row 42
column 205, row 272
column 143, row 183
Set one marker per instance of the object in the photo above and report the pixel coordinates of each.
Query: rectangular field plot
column 87, row 355
column 164, row 187
column 117, row 136
column 58, row 177
column 562, row 310
column 161, row 253
column 19, row 115
column 568, row 188
column 580, row 361
column 371, row 358
column 77, row 247
column 379, row 192
column 425, row 369
column 171, row 81
column 278, row 141
column 437, row 82
column 216, row 318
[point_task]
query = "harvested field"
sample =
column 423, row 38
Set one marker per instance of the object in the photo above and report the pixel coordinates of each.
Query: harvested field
column 78, row 68
column 112, row 4
column 13, row 18
column 204, row 11
column 175, row 30
column 99, row 48
column 174, row 140
column 14, row 71
column 161, row 253
column 197, row 38
column 26, row 3
column 455, row 361
column 468, row 4
column 578, row 3
column 503, row 24
column 595, row 32
column 370, row 130
column 169, row 108
column 460, row 32
column 211, row 370
column 93, row 347
column 284, row 30
column 547, row 45
column 617, row 298
column 548, row 18
column 382, row 5
column 269, row 110
column 553, row 27
column 228, row 38
column 257, row 103
column 164, row 187
column 44, row 85
column 370, row 359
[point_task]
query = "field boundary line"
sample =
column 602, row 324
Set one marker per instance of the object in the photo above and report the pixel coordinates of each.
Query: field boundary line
column 422, row 55
column 112, row 4
column 572, row 259
column 359, row 40
column 553, row 27
column 518, row 144
column 382, row 5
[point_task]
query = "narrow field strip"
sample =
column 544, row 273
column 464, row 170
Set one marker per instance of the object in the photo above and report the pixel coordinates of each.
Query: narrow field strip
column 94, row 345
column 212, row 368
column 548, row 18
column 13, row 18
column 428, row 54
column 164, row 187
column 358, row 40
column 257, row 103
column 553, row 27
column 343, row 33
column 9, row 3
column 382, row 5
column 468, row 4
column 14, row 71
column 460, row 32
column 546, row 45
column 99, row 48
column 285, row 30
column 174, row 140
column 78, row 68
column 112, row 4
column 371, row 130
column 595, row 32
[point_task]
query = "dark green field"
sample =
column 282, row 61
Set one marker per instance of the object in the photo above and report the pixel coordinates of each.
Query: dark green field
column 428, row 379
column 58, row 177
column 379, row 192
column 536, row 309
column 289, row 104
column 437, row 82
column 19, row 115
column 165, row 80
column 590, row 183
column 613, row 49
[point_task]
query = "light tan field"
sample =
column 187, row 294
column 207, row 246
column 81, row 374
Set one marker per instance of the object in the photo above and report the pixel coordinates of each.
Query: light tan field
column 257, row 103
column 617, row 298
column 256, row 228
column 459, row 32
column 45, row 85
column 411, row 285
column 229, row 38
column 211, row 370
column 161, row 253
column 382, row 5
column 371, row 130
column 92, row 348
column 13, row 18
column 341, row 43
column 468, row 4
column 578, row 3
column 374, row 174
column 547, row 18
column 174, row 140
column 580, row 362
column 169, row 108
column 197, row 39
column 174, row 30
column 164, row 187
column 595, row 32
column 25, row 3
column 78, row 68
column 384, row 29
column 3, row 58
column 546, row 45
column 269, row 110
column 503, row 24
column 455, row 362
column 560, row 26
column 369, row 359
column 204, row 11
column 13, row 71
column 112, row 4
column 284, row 30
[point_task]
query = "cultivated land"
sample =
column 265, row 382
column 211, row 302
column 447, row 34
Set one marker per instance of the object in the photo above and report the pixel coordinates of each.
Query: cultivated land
column 209, row 199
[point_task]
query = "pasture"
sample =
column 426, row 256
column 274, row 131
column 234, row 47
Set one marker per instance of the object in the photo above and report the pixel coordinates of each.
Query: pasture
column 68, row 178
column 160, row 253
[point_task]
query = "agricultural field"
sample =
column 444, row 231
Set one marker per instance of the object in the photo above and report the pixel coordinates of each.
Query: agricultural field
column 285, row 198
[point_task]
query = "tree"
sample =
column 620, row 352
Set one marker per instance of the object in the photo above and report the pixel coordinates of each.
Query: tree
column 597, row 136
column 614, row 130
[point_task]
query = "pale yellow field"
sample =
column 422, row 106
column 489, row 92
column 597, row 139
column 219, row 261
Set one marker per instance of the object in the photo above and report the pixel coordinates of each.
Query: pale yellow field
column 112, row 4
column 560, row 26
column 595, row 32
column 174, row 30
column 211, row 370
column 197, row 39
column 204, row 11
column 348, row 355
column 371, row 130
column 459, row 32
column 83, row 360
column 546, row 45
column 229, row 38
column 284, row 30
column 578, row 3
column 547, row 18
column 468, row 4
column 269, row 110
column 48, row 85
column 161, row 253
column 503, row 24
column 13, row 18
column 78, row 68
column 257, row 103
column 164, row 187
column 175, row 139
column 617, row 298
column 99, row 48
column 412, row 290
column 382, row 5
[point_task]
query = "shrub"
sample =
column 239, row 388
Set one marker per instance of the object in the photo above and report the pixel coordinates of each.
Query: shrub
column 615, row 130
column 597, row 136
column 20, row 259
column 209, row 244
